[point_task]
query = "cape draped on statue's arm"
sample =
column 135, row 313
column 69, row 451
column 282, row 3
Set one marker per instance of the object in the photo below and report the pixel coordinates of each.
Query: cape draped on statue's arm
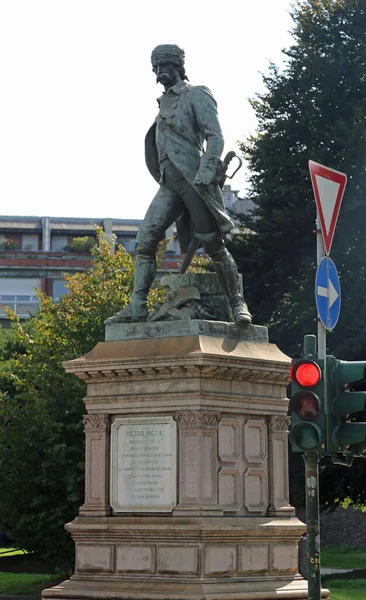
column 194, row 121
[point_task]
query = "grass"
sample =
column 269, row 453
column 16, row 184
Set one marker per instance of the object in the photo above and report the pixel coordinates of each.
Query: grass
column 345, row 589
column 25, row 574
column 346, row 557
column 24, row 583
column 10, row 551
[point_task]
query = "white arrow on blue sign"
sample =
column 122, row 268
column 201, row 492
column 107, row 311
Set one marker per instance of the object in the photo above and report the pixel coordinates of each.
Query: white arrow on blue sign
column 328, row 293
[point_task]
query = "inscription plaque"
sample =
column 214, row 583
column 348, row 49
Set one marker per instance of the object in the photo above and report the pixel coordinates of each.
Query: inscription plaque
column 143, row 464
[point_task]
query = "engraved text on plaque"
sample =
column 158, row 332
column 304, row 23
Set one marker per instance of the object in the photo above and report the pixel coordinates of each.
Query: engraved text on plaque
column 143, row 464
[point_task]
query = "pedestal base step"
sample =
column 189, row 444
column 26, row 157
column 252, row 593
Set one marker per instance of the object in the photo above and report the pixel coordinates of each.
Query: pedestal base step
column 257, row 589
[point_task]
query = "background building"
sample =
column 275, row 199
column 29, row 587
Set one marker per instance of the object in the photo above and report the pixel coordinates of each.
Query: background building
column 235, row 205
column 35, row 252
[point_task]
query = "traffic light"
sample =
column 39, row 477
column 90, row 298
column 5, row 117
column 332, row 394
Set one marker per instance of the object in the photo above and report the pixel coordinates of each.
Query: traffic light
column 307, row 405
column 345, row 426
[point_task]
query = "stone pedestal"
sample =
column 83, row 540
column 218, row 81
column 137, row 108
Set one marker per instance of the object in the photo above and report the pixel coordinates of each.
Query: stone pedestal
column 216, row 396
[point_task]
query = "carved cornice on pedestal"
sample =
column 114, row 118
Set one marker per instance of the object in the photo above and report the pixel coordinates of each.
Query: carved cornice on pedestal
column 96, row 423
column 198, row 420
column 254, row 374
column 278, row 423
column 182, row 357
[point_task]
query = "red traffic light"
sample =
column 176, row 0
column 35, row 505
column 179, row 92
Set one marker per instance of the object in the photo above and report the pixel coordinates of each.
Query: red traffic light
column 305, row 373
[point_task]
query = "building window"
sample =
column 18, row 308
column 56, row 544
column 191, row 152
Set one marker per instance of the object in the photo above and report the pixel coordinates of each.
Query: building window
column 30, row 241
column 59, row 289
column 58, row 242
column 19, row 295
column 128, row 243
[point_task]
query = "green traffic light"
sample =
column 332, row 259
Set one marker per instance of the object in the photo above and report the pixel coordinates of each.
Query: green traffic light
column 306, row 436
column 351, row 402
column 345, row 434
column 352, row 433
column 350, row 372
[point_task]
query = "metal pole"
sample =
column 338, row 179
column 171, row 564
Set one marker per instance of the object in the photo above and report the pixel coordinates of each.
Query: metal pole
column 312, row 521
column 309, row 346
column 320, row 253
column 312, row 466
column 322, row 332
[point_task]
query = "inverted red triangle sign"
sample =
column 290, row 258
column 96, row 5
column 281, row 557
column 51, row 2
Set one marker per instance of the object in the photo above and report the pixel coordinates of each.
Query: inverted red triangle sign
column 328, row 186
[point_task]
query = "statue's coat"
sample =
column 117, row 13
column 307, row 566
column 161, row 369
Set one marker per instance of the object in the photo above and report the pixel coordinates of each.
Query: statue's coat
column 192, row 121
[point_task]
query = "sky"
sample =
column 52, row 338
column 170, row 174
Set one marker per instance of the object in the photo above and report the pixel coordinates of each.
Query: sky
column 78, row 94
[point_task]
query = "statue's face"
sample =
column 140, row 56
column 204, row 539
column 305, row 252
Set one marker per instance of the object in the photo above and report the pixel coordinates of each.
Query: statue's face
column 166, row 73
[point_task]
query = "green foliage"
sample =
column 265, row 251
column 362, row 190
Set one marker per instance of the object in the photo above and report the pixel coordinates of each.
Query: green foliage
column 10, row 344
column 8, row 244
column 81, row 244
column 200, row 264
column 314, row 109
column 6, row 336
column 342, row 485
column 41, row 437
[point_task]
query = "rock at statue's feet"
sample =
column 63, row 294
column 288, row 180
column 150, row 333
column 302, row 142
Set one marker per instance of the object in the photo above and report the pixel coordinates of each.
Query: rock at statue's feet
column 241, row 313
column 132, row 313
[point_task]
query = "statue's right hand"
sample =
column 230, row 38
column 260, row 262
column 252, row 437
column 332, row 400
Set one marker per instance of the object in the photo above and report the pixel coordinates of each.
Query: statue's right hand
column 204, row 179
column 207, row 173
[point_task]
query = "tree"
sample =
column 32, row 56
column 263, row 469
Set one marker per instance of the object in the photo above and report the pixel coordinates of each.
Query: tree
column 315, row 108
column 41, row 435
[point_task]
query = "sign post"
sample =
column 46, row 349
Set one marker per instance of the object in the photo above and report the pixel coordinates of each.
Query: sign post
column 312, row 522
column 328, row 186
column 327, row 293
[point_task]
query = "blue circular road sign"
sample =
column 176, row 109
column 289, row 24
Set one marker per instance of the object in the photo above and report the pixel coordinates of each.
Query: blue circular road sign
column 327, row 293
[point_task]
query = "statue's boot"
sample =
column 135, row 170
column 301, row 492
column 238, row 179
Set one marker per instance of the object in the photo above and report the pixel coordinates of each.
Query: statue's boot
column 227, row 273
column 136, row 311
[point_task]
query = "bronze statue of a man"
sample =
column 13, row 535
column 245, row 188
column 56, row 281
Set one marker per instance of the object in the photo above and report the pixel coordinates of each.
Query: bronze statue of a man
column 188, row 175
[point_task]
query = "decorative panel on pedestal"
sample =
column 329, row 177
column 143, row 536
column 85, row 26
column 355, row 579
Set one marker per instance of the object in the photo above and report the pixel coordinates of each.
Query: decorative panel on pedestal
column 243, row 480
column 197, row 483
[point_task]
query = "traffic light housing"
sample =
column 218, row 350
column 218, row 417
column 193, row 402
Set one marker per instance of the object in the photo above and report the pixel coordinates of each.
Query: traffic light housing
column 345, row 426
column 306, row 406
